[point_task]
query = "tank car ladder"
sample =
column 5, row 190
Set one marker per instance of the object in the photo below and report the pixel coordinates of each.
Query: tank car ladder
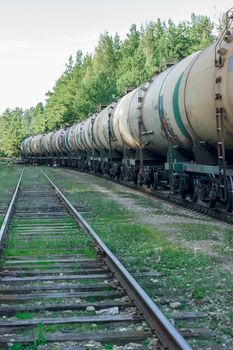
column 220, row 111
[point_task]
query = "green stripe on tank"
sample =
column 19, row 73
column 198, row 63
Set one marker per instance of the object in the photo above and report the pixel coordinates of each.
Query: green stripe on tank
column 66, row 140
column 176, row 110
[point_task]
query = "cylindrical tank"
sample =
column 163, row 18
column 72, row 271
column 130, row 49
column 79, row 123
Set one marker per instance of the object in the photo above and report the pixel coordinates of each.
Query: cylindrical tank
column 144, row 109
column 151, row 105
column 120, row 123
column 26, row 146
column 79, row 136
column 196, row 96
column 54, row 143
column 159, row 112
column 71, row 139
column 100, row 130
column 36, row 145
column 46, row 142
column 186, row 98
column 42, row 146
column 167, row 103
column 62, row 141
column 180, row 104
column 87, row 134
column 67, row 146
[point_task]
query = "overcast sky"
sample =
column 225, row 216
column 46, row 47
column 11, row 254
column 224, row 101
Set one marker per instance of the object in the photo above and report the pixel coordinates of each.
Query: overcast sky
column 38, row 36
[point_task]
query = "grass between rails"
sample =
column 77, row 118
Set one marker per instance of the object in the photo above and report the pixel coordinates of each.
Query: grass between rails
column 9, row 176
column 69, row 240
column 195, row 279
column 40, row 244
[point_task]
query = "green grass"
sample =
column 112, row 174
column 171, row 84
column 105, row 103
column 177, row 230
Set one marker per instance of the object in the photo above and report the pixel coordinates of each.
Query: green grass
column 24, row 315
column 194, row 278
column 9, row 176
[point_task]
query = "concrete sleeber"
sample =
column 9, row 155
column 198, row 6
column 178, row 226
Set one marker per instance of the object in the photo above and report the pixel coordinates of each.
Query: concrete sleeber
column 74, row 288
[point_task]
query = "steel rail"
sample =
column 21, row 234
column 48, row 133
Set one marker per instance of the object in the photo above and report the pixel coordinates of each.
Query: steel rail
column 159, row 324
column 6, row 220
column 214, row 213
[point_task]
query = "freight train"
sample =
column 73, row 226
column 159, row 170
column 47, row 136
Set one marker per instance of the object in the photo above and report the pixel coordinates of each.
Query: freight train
column 175, row 131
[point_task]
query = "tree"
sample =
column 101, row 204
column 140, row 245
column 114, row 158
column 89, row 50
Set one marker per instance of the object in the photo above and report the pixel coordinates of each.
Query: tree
column 101, row 77
column 58, row 108
column 14, row 130
column 200, row 33
column 38, row 122
column 98, row 77
column 129, row 67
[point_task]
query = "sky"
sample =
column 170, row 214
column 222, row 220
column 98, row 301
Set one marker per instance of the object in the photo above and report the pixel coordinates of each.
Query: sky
column 38, row 36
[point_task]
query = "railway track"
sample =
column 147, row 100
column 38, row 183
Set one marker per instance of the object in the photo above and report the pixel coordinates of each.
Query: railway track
column 214, row 213
column 60, row 284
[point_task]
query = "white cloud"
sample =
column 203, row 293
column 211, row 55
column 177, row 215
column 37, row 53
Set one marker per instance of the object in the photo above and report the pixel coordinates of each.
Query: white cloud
column 9, row 46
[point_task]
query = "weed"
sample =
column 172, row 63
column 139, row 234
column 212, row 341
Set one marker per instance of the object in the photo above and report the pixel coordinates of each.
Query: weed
column 40, row 338
column 24, row 315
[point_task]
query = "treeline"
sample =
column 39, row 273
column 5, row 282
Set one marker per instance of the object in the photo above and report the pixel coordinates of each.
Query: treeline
column 101, row 77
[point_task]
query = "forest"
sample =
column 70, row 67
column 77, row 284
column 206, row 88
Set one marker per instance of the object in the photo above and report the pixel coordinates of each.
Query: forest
column 92, row 79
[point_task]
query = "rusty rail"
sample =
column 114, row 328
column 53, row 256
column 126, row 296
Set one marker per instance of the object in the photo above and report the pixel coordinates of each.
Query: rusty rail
column 6, row 220
column 159, row 324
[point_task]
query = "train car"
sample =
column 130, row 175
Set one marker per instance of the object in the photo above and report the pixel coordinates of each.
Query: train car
column 46, row 143
column 26, row 146
column 175, row 131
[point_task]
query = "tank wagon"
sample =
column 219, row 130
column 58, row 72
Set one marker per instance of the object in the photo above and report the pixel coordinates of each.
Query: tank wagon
column 176, row 130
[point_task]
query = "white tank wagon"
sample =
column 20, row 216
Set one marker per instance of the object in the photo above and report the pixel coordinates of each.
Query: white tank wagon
column 59, row 142
column 36, row 148
column 46, row 143
column 53, row 143
column 79, row 137
column 71, row 139
column 180, row 122
column 179, row 104
column 101, row 130
column 86, row 134
column 63, row 141
column 26, row 146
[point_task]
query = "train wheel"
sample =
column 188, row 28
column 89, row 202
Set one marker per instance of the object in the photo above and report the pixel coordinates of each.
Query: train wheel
column 155, row 182
column 227, row 205
column 193, row 189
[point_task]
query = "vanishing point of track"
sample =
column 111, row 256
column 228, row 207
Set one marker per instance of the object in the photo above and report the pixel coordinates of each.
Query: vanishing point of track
column 60, row 283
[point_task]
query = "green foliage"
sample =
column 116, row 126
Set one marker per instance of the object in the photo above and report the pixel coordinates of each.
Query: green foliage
column 40, row 339
column 38, row 120
column 198, row 294
column 100, row 78
column 13, row 128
